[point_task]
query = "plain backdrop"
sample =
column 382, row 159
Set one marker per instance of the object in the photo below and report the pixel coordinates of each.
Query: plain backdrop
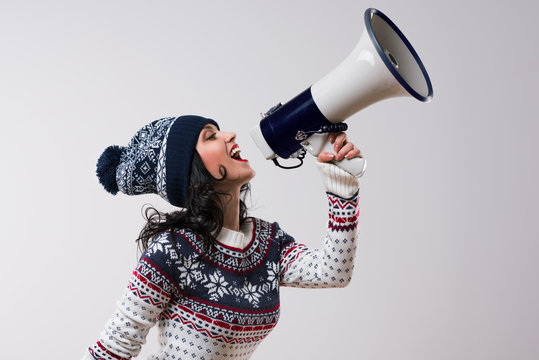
column 447, row 260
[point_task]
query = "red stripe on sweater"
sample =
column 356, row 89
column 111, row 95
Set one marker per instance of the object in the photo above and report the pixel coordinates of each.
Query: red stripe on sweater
column 230, row 327
column 143, row 279
column 242, row 311
column 110, row 353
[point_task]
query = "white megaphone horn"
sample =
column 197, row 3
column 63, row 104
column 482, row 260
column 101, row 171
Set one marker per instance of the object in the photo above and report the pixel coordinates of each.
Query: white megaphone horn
column 382, row 65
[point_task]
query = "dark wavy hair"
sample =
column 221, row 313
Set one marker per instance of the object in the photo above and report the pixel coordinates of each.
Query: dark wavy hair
column 203, row 213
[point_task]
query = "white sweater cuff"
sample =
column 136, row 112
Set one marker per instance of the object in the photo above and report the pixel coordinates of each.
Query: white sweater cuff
column 337, row 181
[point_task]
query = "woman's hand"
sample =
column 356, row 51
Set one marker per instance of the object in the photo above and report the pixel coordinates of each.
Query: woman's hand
column 343, row 149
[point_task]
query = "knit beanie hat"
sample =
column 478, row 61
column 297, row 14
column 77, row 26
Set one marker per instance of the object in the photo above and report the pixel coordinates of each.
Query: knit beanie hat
column 157, row 159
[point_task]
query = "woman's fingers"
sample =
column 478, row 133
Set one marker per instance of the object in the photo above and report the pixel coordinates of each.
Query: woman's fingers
column 343, row 148
column 354, row 153
column 325, row 157
column 340, row 140
column 349, row 151
column 332, row 137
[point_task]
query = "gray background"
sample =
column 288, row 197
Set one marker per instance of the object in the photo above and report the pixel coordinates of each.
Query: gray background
column 447, row 264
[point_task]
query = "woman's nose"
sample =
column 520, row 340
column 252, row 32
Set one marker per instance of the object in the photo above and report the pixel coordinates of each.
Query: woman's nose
column 230, row 136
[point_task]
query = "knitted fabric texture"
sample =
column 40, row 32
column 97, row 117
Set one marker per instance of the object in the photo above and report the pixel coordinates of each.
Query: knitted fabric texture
column 157, row 159
column 221, row 303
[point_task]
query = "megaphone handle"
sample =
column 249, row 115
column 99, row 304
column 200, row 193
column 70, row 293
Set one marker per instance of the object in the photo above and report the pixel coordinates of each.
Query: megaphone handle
column 317, row 143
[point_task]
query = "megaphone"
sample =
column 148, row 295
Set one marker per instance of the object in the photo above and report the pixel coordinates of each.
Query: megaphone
column 382, row 65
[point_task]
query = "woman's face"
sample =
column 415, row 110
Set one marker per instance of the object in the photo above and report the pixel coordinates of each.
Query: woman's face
column 216, row 149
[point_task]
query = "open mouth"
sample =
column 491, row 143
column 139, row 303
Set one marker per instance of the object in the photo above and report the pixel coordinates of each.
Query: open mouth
column 235, row 153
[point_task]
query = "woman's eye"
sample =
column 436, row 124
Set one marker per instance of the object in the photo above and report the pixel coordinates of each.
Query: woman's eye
column 211, row 137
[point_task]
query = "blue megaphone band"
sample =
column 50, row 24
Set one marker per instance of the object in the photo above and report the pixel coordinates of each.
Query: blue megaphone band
column 280, row 127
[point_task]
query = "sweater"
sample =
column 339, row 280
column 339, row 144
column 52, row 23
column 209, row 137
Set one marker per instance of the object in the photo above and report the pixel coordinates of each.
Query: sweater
column 221, row 302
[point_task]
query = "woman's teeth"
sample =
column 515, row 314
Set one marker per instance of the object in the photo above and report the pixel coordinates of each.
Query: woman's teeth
column 235, row 153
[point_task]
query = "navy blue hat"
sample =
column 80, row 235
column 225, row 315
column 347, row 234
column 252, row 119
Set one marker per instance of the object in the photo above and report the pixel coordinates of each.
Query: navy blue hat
column 157, row 159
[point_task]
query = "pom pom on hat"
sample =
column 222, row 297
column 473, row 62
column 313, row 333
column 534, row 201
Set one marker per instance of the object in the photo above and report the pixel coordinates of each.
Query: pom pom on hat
column 106, row 168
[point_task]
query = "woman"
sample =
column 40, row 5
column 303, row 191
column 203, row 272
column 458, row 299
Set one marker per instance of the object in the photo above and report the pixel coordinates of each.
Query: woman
column 209, row 275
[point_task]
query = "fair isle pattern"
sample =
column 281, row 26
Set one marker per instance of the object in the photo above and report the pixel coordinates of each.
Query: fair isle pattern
column 150, row 285
column 233, row 326
column 139, row 160
column 343, row 214
column 218, row 286
column 186, row 342
column 231, row 259
column 333, row 265
column 161, row 175
column 220, row 304
column 147, row 295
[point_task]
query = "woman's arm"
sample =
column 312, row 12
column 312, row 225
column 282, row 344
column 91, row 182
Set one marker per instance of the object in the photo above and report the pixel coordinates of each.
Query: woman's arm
column 331, row 265
column 145, row 298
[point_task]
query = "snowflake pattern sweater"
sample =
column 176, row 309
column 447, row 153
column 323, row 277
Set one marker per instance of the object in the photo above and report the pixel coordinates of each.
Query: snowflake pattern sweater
column 220, row 303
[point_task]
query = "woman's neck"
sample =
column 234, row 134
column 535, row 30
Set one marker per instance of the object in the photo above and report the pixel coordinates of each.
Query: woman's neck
column 231, row 210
